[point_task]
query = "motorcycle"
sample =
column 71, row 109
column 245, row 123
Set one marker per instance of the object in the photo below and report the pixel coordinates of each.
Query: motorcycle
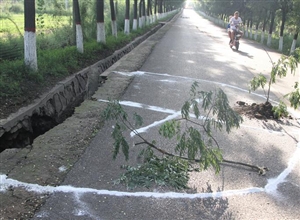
column 236, row 40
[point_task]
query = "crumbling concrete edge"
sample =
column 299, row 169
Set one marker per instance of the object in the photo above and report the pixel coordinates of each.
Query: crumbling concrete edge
column 34, row 164
column 64, row 96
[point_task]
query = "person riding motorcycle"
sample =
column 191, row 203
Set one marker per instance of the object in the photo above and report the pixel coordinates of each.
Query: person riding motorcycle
column 235, row 23
column 228, row 29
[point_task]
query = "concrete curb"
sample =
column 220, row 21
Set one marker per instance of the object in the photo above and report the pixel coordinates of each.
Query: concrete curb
column 53, row 154
column 19, row 128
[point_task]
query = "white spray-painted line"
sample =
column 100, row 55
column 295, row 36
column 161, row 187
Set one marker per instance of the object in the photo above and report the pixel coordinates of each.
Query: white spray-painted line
column 174, row 115
column 194, row 79
column 271, row 187
column 144, row 106
column 213, row 82
column 7, row 182
column 84, row 208
column 156, row 123
column 273, row 183
column 62, row 169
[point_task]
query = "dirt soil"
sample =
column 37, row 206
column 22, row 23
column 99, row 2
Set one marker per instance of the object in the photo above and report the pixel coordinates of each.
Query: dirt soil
column 31, row 90
column 261, row 111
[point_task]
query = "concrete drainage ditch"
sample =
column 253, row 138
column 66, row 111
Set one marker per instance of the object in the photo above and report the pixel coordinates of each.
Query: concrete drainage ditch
column 21, row 128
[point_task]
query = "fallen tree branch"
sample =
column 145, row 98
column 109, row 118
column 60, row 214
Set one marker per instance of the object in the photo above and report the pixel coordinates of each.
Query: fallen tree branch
column 260, row 170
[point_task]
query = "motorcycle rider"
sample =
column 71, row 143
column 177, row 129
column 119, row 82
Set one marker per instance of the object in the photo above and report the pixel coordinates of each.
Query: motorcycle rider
column 235, row 22
column 228, row 28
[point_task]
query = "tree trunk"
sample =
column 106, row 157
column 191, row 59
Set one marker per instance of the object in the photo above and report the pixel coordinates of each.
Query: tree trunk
column 30, row 55
column 147, row 13
column 155, row 10
column 160, row 9
column 127, row 21
column 113, row 19
column 256, row 30
column 264, row 28
column 269, row 42
column 116, row 9
column 140, row 14
column 135, row 21
column 283, row 20
column 247, row 28
column 251, row 24
column 144, row 13
column 79, row 34
column 100, row 22
column 149, row 18
column 293, row 47
column 257, row 25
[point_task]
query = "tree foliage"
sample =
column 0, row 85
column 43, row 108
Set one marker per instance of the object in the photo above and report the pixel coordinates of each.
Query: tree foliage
column 279, row 70
column 202, row 115
column 279, row 17
column 165, row 171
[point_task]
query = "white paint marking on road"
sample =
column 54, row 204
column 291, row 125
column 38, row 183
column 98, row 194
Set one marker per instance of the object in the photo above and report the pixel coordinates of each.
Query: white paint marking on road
column 62, row 169
column 156, row 123
column 174, row 115
column 168, row 81
column 271, row 187
column 7, row 182
column 273, row 183
column 130, row 73
column 194, row 79
column 144, row 106
column 84, row 208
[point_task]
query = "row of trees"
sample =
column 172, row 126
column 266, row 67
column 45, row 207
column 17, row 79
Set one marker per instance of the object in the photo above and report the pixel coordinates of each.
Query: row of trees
column 281, row 16
column 144, row 12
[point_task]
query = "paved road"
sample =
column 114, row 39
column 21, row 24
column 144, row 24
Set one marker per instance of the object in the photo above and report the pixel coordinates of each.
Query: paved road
column 192, row 49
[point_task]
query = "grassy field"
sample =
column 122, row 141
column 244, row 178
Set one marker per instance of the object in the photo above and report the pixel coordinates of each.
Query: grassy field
column 13, row 25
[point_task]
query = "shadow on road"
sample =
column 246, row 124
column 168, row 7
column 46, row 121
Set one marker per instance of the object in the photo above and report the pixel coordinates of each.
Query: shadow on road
column 242, row 53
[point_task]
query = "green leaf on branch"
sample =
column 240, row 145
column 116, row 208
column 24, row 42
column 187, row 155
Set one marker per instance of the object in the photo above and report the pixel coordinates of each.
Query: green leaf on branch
column 294, row 97
column 114, row 111
column 279, row 69
column 166, row 171
column 169, row 129
column 119, row 141
column 225, row 113
column 258, row 81
column 280, row 110
column 206, row 99
column 185, row 110
column 201, row 115
column 137, row 119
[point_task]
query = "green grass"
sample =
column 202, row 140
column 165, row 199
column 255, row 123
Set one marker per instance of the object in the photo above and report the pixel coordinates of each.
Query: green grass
column 287, row 41
column 55, row 59
column 13, row 24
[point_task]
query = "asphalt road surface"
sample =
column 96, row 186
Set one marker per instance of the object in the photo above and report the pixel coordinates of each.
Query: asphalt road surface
column 193, row 49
